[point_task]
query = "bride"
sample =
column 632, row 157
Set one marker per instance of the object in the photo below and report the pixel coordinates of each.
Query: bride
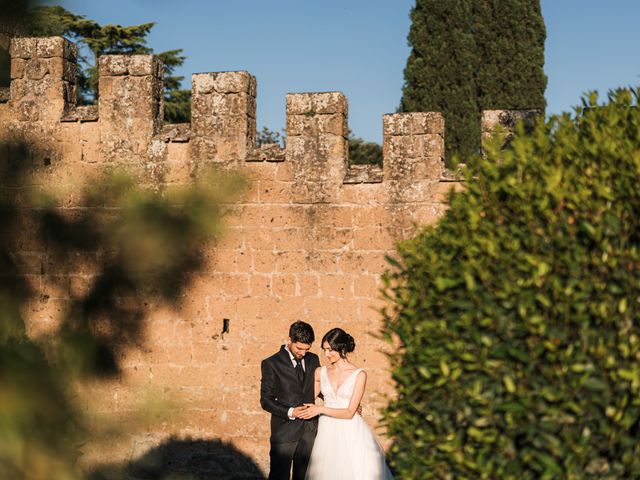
column 345, row 447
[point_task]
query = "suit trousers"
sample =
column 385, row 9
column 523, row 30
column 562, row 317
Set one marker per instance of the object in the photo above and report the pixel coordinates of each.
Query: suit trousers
column 283, row 454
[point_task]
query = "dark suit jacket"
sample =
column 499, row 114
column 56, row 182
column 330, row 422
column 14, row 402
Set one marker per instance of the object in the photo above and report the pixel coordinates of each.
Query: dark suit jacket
column 281, row 390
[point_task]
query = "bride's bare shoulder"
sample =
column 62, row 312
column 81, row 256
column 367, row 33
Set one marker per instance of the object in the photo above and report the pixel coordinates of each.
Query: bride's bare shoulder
column 361, row 372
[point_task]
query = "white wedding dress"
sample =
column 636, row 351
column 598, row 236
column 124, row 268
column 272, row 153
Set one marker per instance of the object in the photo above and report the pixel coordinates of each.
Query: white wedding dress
column 345, row 449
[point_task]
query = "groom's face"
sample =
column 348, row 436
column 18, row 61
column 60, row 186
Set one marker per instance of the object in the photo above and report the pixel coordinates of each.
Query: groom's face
column 298, row 349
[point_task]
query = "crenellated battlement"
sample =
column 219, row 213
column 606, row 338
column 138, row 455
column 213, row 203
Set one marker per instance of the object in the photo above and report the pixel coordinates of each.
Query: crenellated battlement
column 129, row 118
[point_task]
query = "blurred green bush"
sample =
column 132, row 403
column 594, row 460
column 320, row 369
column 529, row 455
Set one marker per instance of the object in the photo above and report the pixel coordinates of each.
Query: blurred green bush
column 146, row 244
column 517, row 316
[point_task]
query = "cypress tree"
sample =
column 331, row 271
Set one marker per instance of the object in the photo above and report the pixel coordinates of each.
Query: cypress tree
column 510, row 37
column 470, row 55
column 439, row 72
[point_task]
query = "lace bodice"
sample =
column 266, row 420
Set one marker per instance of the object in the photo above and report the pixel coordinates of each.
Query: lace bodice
column 341, row 397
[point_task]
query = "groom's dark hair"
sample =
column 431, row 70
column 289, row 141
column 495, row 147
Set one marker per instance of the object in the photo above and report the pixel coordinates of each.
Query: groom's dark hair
column 301, row 332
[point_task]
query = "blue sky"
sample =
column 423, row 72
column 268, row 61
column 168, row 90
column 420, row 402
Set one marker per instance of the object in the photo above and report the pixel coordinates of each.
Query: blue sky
column 359, row 47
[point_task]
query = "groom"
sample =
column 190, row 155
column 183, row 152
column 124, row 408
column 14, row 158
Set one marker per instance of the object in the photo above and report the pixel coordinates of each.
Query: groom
column 287, row 383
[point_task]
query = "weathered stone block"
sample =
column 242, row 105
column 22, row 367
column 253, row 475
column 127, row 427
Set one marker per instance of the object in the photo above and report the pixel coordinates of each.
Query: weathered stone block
column 231, row 103
column 36, row 69
column 503, row 122
column 413, row 146
column 413, row 123
column 23, row 48
column 270, row 152
column 307, row 125
column 363, row 174
column 27, row 110
column 223, row 82
column 202, row 83
column 113, row 65
column 299, row 104
column 316, row 144
column 335, row 124
column 143, row 65
column 233, row 82
column 176, row 132
column 129, row 104
column 297, row 124
column 299, row 146
column 335, row 147
column 220, row 126
column 18, row 66
column 52, row 47
column 311, row 104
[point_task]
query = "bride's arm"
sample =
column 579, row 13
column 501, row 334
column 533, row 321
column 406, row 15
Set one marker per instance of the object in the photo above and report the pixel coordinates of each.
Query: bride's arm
column 346, row 413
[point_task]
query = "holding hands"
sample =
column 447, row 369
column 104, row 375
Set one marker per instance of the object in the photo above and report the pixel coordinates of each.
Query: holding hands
column 310, row 410
column 298, row 411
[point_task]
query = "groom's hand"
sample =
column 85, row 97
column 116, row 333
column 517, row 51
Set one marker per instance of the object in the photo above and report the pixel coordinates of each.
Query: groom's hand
column 311, row 410
column 359, row 410
column 298, row 410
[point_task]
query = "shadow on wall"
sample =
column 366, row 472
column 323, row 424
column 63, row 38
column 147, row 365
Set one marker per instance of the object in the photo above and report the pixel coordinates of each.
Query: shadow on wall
column 98, row 268
column 5, row 62
column 85, row 278
column 184, row 460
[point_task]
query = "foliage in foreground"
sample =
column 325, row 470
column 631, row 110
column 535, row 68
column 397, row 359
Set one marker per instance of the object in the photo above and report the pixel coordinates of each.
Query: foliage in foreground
column 144, row 244
column 518, row 315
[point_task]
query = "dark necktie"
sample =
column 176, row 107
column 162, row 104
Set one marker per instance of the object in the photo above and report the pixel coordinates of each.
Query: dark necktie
column 299, row 370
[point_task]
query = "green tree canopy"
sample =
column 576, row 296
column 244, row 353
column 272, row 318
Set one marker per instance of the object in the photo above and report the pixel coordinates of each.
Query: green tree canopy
column 518, row 314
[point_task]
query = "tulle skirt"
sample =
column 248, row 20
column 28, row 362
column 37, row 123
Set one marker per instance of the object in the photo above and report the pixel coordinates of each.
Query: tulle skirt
column 346, row 450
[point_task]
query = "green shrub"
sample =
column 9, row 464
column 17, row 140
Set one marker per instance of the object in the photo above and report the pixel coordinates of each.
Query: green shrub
column 517, row 316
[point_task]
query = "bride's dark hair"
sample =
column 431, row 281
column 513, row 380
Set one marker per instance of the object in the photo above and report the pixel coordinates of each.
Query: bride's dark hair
column 339, row 341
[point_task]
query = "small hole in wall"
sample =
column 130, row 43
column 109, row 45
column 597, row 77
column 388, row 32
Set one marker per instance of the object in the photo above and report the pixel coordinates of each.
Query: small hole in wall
column 225, row 325
column 47, row 162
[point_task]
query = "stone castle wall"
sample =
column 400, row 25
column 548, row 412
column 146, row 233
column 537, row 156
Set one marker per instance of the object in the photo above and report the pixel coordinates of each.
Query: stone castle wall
column 307, row 241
